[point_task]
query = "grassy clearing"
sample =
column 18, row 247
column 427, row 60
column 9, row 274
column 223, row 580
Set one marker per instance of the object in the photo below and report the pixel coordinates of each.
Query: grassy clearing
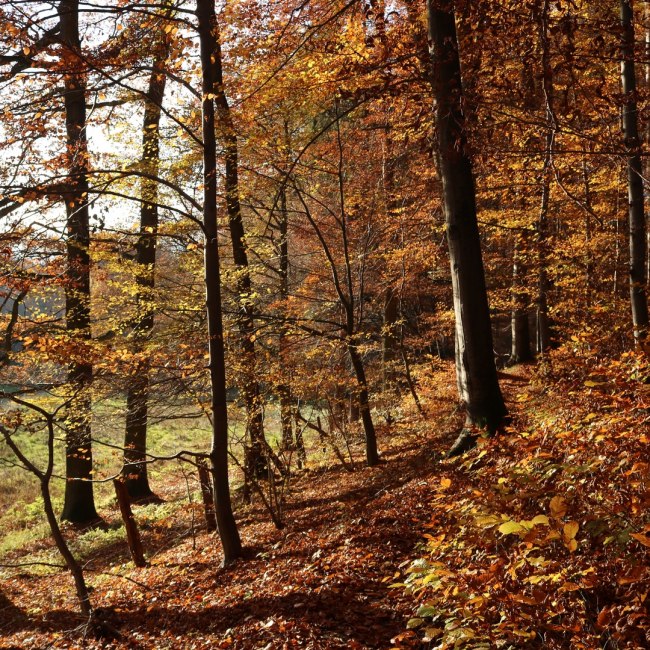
column 171, row 430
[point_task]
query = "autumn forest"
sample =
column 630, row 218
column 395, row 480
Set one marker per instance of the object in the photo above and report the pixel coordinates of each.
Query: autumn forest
column 324, row 324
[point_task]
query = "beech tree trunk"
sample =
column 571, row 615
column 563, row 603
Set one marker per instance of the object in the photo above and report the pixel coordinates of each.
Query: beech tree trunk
column 372, row 456
column 637, row 226
column 137, row 395
column 520, row 349
column 79, row 503
column 390, row 340
column 256, row 454
column 345, row 291
column 228, row 532
column 646, row 139
column 284, row 393
column 392, row 329
column 476, row 374
column 543, row 320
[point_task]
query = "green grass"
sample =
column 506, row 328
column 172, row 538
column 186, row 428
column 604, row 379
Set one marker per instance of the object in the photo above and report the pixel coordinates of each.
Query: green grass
column 21, row 518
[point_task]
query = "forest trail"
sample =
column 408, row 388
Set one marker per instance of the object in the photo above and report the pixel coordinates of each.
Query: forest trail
column 325, row 581
column 322, row 582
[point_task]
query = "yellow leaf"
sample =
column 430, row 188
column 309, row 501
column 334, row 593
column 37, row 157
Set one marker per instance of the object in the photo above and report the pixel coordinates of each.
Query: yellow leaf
column 558, row 507
column 539, row 520
column 510, row 527
column 445, row 483
column 485, row 521
column 570, row 530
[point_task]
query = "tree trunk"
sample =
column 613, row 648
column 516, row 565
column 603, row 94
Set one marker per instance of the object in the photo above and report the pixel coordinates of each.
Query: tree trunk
column 637, row 226
column 256, row 454
column 647, row 125
column 372, row 457
column 520, row 349
column 543, row 321
column 137, row 395
column 79, row 504
column 390, row 338
column 232, row 548
column 83, row 595
column 284, row 393
column 476, row 374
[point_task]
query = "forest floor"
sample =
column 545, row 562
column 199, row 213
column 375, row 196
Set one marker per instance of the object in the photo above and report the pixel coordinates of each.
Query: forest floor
column 525, row 520
column 321, row 582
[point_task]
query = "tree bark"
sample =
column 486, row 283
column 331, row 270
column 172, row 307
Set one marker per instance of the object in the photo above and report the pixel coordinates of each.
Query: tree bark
column 83, row 595
column 133, row 538
column 256, row 454
column 390, row 339
column 228, row 532
column 79, row 504
column 137, row 395
column 284, row 392
column 476, row 374
column 520, row 349
column 543, row 320
column 637, row 226
column 372, row 456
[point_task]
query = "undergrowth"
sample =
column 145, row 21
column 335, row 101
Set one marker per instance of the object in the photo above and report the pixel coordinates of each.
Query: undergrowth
column 540, row 537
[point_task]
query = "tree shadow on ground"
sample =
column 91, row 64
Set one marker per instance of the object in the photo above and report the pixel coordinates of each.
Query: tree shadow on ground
column 12, row 618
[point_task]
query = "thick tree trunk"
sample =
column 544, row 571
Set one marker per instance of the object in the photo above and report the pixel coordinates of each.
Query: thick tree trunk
column 137, row 396
column 475, row 366
column 79, row 504
column 232, row 548
column 637, row 226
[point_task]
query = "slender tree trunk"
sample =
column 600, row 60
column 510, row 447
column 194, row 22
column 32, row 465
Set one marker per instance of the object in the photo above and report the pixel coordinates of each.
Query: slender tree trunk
column 137, row 395
column 520, row 350
column 257, row 452
column 391, row 327
column 390, row 338
column 284, row 393
column 647, row 125
column 476, row 374
column 637, row 226
column 543, row 321
column 363, row 401
column 79, row 504
column 83, row 595
column 372, row 456
column 589, row 264
column 230, row 540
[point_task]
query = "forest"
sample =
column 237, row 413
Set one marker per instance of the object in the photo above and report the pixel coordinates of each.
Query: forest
column 324, row 324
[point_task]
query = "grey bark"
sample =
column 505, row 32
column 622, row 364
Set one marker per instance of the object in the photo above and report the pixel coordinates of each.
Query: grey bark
column 520, row 350
column 543, row 321
column 636, row 213
column 476, row 374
